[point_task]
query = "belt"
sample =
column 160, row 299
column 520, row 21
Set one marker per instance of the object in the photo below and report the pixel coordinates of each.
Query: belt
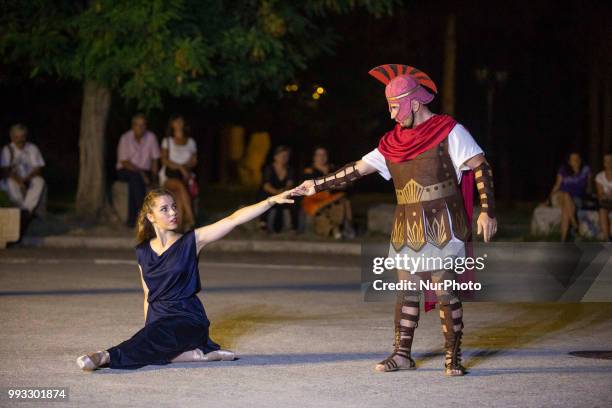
column 413, row 192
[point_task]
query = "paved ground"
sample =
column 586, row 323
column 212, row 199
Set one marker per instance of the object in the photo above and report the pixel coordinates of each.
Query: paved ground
column 304, row 335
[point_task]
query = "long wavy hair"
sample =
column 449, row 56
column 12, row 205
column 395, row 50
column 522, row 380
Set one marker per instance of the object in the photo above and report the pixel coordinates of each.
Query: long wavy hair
column 144, row 228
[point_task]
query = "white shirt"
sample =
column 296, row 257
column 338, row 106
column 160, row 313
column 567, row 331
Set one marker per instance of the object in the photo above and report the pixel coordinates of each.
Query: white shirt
column 24, row 160
column 606, row 184
column 461, row 148
column 180, row 154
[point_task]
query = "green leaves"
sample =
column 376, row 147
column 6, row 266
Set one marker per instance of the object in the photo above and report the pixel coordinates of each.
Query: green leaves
column 146, row 49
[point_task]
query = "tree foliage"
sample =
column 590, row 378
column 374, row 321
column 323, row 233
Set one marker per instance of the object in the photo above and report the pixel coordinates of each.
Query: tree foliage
column 147, row 49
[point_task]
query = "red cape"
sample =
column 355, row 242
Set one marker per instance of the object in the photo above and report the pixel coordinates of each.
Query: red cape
column 402, row 144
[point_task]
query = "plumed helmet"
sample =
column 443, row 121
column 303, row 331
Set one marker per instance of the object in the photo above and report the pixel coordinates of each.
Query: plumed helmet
column 404, row 84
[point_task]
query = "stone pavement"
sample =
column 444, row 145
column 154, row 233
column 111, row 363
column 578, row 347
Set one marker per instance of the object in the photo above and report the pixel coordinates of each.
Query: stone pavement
column 302, row 330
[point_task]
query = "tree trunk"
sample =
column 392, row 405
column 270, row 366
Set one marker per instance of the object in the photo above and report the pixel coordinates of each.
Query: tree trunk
column 450, row 57
column 91, row 197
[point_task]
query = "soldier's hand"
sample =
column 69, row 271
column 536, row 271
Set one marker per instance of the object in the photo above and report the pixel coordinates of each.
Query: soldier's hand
column 487, row 226
column 304, row 189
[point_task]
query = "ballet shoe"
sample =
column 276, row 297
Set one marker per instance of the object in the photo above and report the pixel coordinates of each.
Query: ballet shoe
column 220, row 355
column 91, row 361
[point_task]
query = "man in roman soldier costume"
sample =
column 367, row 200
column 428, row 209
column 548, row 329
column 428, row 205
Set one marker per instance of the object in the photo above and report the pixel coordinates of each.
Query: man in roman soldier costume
column 426, row 155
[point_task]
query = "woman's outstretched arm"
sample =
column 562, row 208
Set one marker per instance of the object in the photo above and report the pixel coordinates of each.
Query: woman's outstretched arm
column 213, row 232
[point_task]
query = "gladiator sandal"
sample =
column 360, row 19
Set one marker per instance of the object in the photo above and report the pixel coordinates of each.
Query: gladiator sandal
column 452, row 363
column 452, row 329
column 405, row 324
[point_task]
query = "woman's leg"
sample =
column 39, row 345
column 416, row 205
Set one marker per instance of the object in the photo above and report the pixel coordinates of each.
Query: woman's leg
column 158, row 343
column 348, row 210
column 565, row 218
column 272, row 219
column 572, row 211
column 604, row 223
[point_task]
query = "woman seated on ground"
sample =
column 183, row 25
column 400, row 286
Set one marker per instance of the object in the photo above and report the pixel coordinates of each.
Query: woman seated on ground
column 179, row 158
column 603, row 182
column 277, row 177
column 176, row 326
column 331, row 211
column 571, row 189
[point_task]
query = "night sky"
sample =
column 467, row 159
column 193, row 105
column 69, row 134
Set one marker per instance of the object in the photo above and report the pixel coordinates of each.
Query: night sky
column 540, row 113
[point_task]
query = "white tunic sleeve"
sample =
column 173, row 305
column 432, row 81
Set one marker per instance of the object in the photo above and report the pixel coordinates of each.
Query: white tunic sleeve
column 461, row 148
column 377, row 160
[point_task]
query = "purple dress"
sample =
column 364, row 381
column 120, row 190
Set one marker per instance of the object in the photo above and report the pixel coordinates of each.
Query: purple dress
column 574, row 184
column 176, row 319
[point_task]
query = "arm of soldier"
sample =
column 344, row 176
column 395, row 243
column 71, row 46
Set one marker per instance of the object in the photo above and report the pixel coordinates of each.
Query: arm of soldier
column 487, row 221
column 340, row 178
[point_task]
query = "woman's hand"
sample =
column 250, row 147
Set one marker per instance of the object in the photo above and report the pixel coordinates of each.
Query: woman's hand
column 184, row 172
column 282, row 198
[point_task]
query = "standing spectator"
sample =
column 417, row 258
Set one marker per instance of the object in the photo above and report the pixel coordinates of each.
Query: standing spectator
column 21, row 163
column 331, row 210
column 571, row 186
column 603, row 183
column 179, row 158
column 137, row 156
column 278, row 177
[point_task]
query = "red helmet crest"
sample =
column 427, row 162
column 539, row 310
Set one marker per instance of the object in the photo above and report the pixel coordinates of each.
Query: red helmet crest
column 385, row 73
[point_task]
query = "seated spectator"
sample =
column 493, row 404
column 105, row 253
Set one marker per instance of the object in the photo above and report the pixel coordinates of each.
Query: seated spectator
column 603, row 183
column 331, row 210
column 137, row 155
column 179, row 158
column 277, row 177
column 571, row 188
column 21, row 163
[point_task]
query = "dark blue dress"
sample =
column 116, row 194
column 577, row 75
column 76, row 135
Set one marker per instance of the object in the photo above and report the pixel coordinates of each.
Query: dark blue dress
column 176, row 320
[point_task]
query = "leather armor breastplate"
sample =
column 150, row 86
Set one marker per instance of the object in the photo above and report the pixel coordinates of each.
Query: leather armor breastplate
column 426, row 187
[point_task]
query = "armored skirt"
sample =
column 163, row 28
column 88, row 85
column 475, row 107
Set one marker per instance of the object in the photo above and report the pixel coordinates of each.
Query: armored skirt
column 176, row 319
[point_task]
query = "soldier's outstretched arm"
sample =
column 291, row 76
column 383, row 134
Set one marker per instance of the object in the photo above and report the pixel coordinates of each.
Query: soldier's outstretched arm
column 338, row 179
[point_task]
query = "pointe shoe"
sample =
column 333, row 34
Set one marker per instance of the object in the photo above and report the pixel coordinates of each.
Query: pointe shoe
column 92, row 361
column 220, row 355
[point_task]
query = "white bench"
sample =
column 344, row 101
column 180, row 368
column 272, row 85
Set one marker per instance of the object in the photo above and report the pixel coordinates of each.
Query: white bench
column 547, row 219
